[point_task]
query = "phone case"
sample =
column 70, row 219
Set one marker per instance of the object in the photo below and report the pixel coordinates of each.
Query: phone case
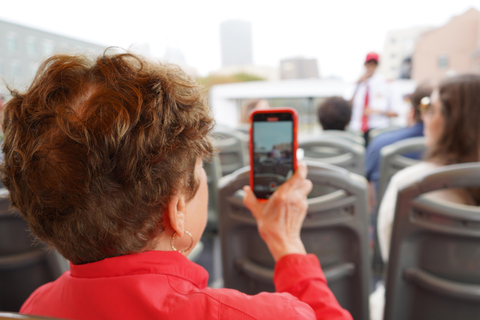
column 295, row 141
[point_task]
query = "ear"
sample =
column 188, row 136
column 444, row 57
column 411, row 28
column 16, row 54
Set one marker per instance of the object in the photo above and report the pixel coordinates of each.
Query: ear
column 176, row 213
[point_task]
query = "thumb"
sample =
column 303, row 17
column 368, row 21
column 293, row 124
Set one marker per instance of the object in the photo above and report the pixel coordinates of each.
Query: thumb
column 298, row 177
column 250, row 201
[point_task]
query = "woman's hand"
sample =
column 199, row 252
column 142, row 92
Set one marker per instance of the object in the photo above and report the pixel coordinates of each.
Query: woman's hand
column 280, row 219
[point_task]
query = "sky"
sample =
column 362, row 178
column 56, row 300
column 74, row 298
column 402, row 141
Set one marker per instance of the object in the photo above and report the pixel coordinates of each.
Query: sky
column 269, row 134
column 337, row 33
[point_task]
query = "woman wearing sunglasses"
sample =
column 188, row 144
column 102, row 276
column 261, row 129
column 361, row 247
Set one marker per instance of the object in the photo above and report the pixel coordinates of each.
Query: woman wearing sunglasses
column 451, row 119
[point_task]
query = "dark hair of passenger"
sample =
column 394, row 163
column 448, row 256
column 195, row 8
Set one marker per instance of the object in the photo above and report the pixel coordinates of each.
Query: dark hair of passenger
column 95, row 149
column 334, row 113
column 423, row 90
column 460, row 138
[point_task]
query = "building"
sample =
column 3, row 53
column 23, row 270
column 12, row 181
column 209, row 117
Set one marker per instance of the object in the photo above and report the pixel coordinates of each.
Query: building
column 236, row 43
column 299, row 68
column 450, row 49
column 476, row 61
column 396, row 59
column 176, row 56
column 22, row 49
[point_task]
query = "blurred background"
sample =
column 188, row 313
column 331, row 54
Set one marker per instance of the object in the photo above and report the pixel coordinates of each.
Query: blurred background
column 280, row 44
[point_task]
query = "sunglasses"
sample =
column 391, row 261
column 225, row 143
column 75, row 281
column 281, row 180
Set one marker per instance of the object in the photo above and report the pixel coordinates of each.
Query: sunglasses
column 425, row 106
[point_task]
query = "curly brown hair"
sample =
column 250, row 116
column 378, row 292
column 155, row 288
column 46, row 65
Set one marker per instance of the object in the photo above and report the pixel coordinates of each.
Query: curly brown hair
column 95, row 149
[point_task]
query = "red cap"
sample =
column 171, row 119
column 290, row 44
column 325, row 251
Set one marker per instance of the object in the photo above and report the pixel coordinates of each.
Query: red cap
column 372, row 56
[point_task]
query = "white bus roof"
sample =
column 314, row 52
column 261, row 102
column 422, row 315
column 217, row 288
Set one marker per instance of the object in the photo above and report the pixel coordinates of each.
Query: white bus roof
column 303, row 88
column 225, row 99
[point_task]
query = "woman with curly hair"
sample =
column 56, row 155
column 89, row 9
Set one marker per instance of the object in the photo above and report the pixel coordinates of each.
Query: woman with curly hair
column 103, row 158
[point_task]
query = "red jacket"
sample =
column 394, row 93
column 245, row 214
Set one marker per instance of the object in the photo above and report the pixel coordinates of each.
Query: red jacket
column 166, row 285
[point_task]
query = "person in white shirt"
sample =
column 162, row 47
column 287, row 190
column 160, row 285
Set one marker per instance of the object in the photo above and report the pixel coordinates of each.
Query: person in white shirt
column 371, row 106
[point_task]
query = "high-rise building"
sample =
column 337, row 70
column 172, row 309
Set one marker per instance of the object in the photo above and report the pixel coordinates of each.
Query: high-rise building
column 299, row 68
column 22, row 49
column 450, row 49
column 396, row 59
column 236, row 42
column 176, row 56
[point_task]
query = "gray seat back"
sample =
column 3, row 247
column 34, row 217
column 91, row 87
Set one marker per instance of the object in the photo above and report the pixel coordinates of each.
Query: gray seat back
column 335, row 229
column 334, row 150
column 392, row 160
column 348, row 135
column 434, row 265
column 214, row 173
column 233, row 147
column 25, row 264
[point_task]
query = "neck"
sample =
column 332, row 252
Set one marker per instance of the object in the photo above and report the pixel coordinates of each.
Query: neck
column 162, row 242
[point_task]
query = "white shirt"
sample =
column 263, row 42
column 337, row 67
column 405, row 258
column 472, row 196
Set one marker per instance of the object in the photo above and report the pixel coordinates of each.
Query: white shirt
column 386, row 212
column 407, row 176
column 379, row 99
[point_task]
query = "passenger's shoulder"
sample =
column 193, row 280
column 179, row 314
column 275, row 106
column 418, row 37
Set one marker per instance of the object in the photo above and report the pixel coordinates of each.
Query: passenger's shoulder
column 384, row 139
column 36, row 298
column 411, row 173
column 423, row 166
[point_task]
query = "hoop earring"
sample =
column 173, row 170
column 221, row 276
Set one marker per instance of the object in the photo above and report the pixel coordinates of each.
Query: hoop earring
column 181, row 251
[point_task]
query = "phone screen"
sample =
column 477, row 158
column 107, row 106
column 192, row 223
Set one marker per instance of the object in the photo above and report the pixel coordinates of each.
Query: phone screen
column 272, row 151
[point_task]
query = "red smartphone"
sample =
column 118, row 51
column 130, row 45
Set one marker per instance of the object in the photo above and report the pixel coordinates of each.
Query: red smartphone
column 273, row 149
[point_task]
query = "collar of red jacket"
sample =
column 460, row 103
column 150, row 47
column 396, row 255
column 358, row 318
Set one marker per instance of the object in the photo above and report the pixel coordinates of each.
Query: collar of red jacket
column 148, row 262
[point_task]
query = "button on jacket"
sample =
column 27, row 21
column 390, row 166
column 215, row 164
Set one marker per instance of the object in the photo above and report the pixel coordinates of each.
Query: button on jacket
column 166, row 285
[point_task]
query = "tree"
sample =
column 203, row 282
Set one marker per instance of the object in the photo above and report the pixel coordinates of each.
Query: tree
column 211, row 80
